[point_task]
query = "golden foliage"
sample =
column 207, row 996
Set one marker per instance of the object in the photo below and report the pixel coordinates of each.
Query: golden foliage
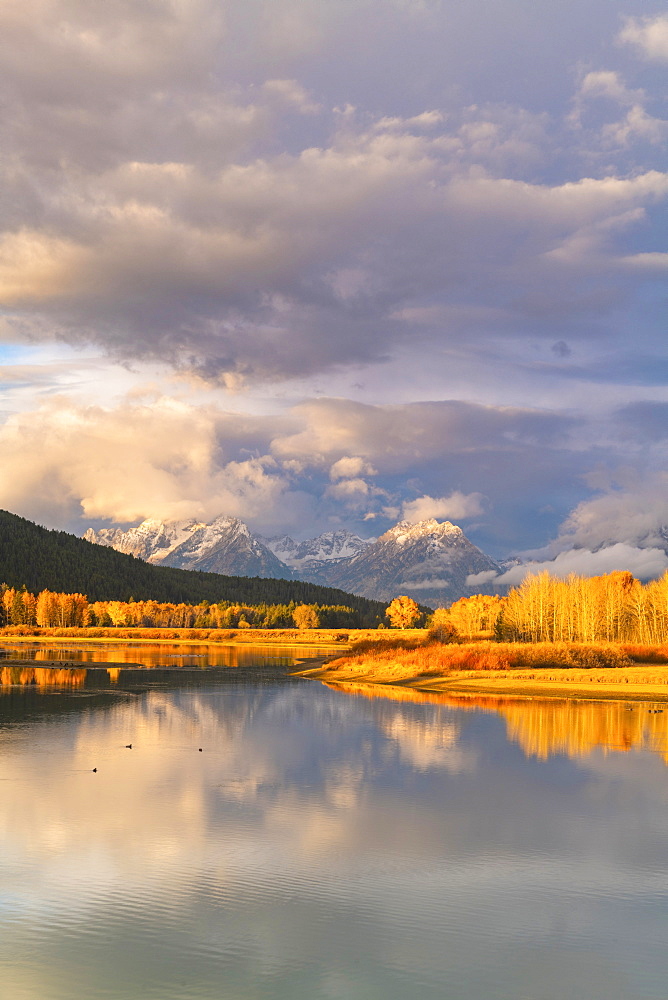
column 306, row 616
column 405, row 660
column 611, row 608
column 471, row 616
column 403, row 612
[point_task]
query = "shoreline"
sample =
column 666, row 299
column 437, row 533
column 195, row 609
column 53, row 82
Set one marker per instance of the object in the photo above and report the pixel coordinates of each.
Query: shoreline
column 248, row 638
column 626, row 684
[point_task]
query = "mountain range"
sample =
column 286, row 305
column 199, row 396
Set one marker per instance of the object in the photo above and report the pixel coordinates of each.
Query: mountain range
column 433, row 562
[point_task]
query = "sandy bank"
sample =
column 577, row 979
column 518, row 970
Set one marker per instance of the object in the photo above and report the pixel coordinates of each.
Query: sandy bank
column 641, row 682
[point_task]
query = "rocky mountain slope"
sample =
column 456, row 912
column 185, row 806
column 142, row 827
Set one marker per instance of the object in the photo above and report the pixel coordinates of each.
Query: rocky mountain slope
column 432, row 561
column 223, row 546
column 317, row 555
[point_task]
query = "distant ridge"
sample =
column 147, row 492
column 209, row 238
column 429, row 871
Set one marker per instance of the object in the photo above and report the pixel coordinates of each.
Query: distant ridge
column 42, row 559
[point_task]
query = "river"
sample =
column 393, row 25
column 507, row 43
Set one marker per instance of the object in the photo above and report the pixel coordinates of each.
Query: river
column 183, row 832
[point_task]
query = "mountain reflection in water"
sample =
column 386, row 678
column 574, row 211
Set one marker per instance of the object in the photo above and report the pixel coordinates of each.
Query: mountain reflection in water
column 546, row 728
column 323, row 846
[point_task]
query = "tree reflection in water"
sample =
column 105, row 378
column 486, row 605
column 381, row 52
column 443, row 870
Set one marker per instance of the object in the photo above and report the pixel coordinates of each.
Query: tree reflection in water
column 544, row 728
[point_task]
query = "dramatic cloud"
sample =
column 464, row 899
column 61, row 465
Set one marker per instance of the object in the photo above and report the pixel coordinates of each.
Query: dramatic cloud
column 149, row 210
column 64, row 461
column 313, row 466
column 264, row 281
column 636, row 512
column 456, row 506
column 391, row 436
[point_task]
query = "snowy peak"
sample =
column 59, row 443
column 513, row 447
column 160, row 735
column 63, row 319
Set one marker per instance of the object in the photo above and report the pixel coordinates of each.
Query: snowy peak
column 326, row 548
column 430, row 561
column 151, row 540
column 223, row 546
column 406, row 532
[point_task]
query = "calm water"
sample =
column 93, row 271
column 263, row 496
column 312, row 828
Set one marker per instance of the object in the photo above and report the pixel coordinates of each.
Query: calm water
column 327, row 845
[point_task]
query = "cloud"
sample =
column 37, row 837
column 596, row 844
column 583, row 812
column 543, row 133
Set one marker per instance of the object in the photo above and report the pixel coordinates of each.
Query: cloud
column 624, row 526
column 607, row 83
column 635, row 512
column 643, row 563
column 291, row 93
column 457, row 505
column 393, row 436
column 349, row 489
column 636, row 123
column 319, row 464
column 649, row 35
column 247, row 230
column 480, row 579
column 157, row 458
column 350, row 467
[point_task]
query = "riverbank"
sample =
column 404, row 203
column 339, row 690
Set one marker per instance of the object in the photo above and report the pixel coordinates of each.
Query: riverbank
column 524, row 671
column 228, row 637
column 623, row 684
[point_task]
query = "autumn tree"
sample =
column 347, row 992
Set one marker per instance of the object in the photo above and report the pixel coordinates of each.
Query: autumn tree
column 306, row 616
column 472, row 615
column 441, row 627
column 403, row 612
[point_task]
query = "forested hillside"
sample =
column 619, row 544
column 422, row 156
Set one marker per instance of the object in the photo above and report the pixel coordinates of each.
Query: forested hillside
column 40, row 559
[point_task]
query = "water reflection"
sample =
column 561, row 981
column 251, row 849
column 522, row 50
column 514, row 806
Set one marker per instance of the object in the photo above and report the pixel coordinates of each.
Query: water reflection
column 552, row 726
column 160, row 654
column 322, row 846
column 42, row 677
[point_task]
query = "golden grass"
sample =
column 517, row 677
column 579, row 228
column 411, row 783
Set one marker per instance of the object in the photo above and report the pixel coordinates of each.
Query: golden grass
column 505, row 667
column 257, row 636
column 401, row 657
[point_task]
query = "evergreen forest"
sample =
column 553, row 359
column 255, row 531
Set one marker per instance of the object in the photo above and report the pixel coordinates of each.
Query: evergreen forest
column 38, row 559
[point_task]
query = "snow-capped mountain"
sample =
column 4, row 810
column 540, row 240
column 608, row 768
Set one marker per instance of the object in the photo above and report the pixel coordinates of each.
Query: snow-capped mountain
column 223, row 546
column 432, row 562
column 316, row 554
column 151, row 540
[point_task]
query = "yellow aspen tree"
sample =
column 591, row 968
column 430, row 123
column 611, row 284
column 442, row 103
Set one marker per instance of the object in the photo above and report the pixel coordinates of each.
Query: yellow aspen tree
column 403, row 612
column 306, row 616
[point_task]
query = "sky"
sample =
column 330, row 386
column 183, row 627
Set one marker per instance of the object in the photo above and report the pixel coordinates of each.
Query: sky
column 325, row 264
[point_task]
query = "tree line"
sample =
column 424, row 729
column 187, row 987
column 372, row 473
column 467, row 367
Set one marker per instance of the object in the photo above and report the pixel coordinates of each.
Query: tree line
column 615, row 607
column 50, row 609
column 611, row 608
